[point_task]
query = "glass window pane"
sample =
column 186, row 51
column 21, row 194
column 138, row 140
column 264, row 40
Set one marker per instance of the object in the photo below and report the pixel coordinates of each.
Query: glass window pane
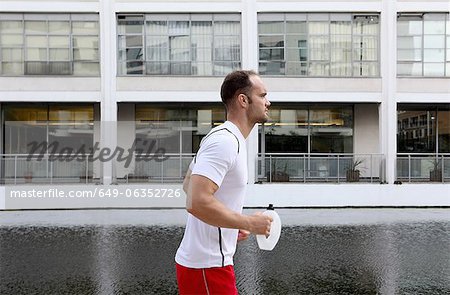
column 36, row 27
column 156, row 28
column 409, row 55
column 130, row 24
column 271, row 27
column 319, row 69
column 71, row 126
column 366, row 25
column 414, row 42
column 319, row 48
column 227, row 48
column 157, row 68
column 36, row 54
column 271, row 54
column 369, row 69
column 20, row 127
column 59, row 68
column 201, row 41
column 36, row 68
column 296, row 41
column 433, row 69
column 12, row 54
column 36, row 41
column 318, row 28
column 447, row 69
column 272, row 68
column 58, row 27
column 448, row 54
column 59, row 54
column 180, row 68
column 297, row 55
column 58, row 41
column 86, row 69
column 226, row 28
column 202, row 54
column 202, row 28
column 87, row 42
column 85, row 28
column 271, row 41
column 409, row 69
column 133, row 41
column 85, row 54
column 12, row 68
column 433, row 55
column 178, row 28
column 157, row 53
column 296, row 68
column 131, row 54
column 341, row 69
column 134, row 67
column 341, row 27
column 343, row 55
column 202, row 68
column 433, row 41
column 434, row 27
column 11, row 40
column 296, row 27
column 11, row 27
column 413, row 119
column 413, row 27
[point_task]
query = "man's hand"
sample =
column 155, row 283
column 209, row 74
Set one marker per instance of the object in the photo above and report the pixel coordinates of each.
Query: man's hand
column 243, row 235
column 259, row 224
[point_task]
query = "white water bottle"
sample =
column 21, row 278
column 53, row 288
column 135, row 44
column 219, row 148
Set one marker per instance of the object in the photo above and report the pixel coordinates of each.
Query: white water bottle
column 268, row 243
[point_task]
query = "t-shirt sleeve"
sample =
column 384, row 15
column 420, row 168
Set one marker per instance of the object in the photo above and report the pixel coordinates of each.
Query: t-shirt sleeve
column 216, row 157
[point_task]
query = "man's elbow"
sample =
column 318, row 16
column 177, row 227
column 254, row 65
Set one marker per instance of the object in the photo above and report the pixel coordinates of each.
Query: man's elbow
column 195, row 207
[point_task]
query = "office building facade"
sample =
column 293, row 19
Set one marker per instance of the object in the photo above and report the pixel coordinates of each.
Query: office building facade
column 360, row 94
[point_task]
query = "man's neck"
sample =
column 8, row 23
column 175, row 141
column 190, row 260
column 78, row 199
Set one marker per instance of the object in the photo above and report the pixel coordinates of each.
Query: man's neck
column 244, row 125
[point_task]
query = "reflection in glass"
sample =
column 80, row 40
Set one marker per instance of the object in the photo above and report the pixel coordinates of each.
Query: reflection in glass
column 308, row 130
column 184, row 44
column 319, row 46
column 176, row 128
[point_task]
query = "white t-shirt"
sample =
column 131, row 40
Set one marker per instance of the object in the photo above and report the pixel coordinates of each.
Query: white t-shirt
column 222, row 158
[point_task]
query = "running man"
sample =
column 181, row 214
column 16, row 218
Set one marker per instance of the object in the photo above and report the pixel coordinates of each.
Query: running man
column 215, row 185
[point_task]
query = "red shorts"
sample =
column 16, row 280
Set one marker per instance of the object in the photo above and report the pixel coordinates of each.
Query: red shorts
column 215, row 280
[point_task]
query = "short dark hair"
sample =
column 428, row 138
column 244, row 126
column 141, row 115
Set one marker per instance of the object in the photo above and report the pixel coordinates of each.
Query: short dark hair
column 236, row 82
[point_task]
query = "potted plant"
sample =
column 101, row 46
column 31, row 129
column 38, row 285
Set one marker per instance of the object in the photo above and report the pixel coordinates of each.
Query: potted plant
column 352, row 171
column 436, row 170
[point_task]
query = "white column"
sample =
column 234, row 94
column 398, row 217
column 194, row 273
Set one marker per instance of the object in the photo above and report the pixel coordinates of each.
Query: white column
column 108, row 110
column 249, row 35
column 388, row 114
column 250, row 62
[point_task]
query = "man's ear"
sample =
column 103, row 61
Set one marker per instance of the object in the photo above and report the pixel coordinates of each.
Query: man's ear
column 242, row 99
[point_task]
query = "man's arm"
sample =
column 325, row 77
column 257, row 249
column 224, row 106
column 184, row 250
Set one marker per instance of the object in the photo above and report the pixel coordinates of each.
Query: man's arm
column 202, row 204
column 186, row 180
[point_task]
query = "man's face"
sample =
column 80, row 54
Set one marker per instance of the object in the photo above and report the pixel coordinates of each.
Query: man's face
column 258, row 111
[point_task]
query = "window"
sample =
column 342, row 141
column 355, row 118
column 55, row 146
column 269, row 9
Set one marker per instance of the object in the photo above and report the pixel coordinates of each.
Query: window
column 319, row 44
column 176, row 128
column 64, row 126
column 434, row 121
column 308, row 129
column 179, row 44
column 49, row 44
column 423, row 44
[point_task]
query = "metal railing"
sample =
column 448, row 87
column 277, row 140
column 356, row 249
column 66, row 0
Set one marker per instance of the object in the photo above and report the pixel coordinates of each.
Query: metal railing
column 423, row 167
column 24, row 168
column 170, row 170
column 333, row 167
